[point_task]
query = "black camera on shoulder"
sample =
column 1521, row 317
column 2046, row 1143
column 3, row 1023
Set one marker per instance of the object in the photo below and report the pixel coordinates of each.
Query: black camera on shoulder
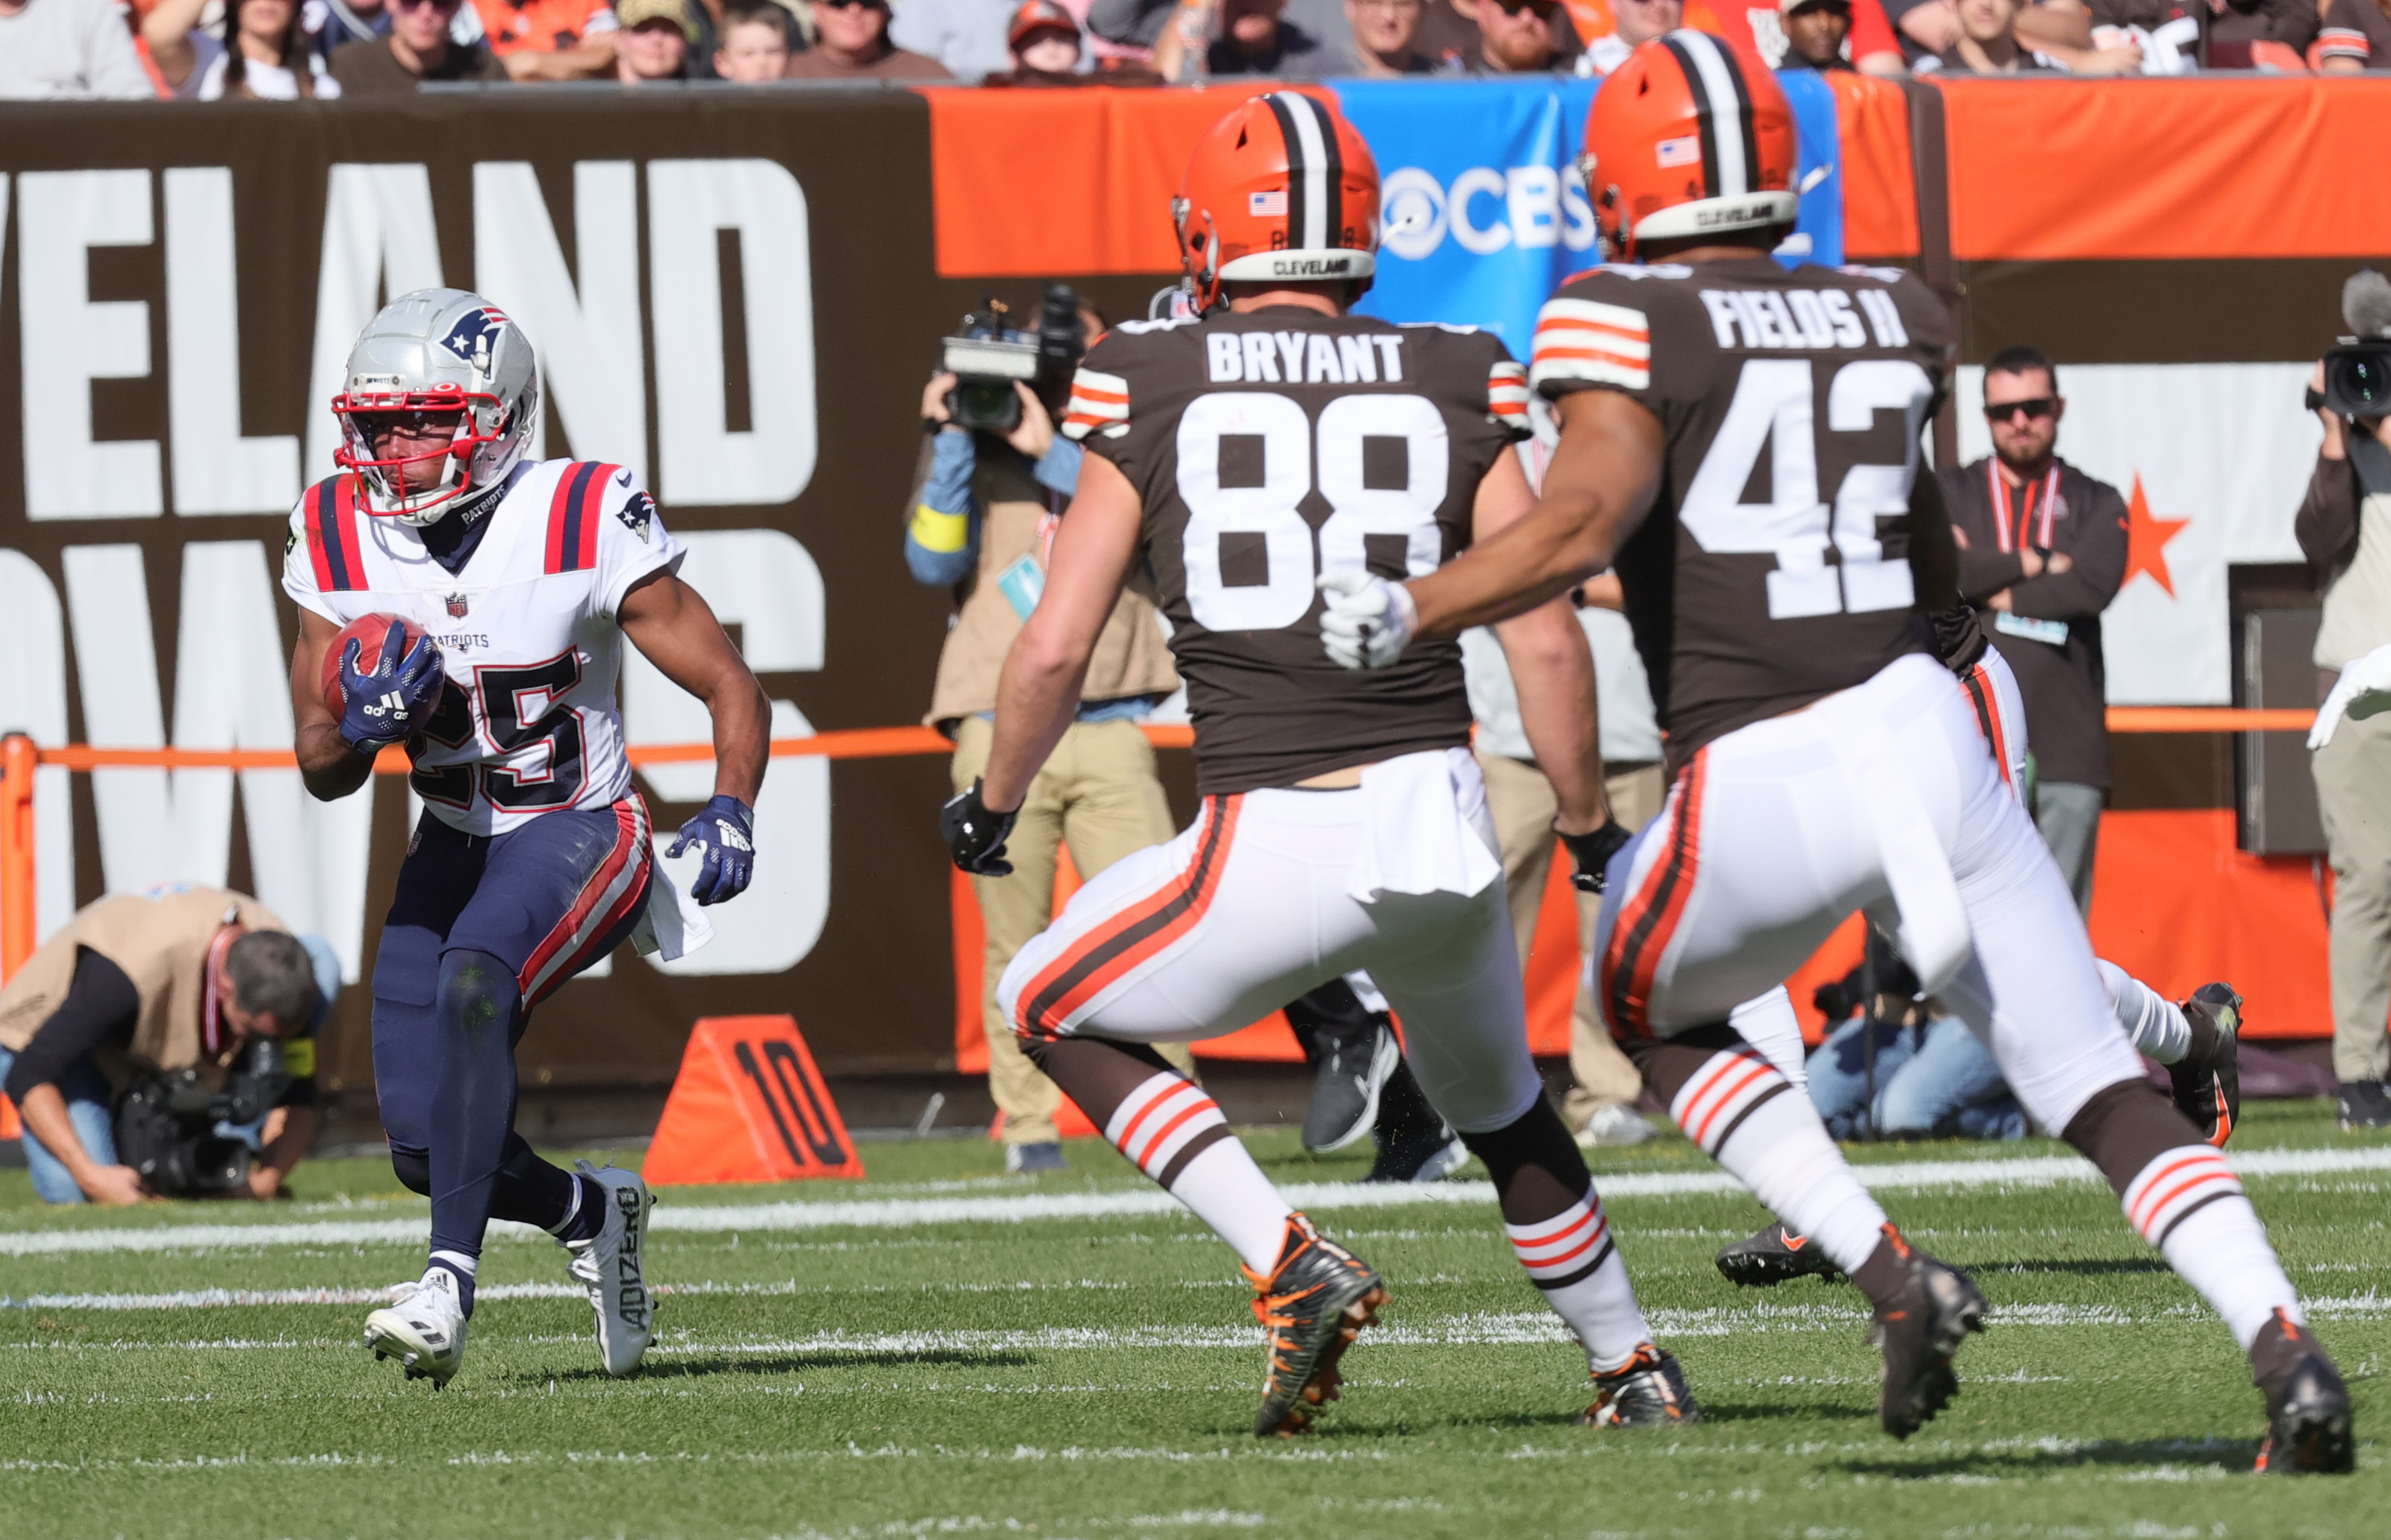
column 165, row 1124
column 988, row 356
column 2356, row 381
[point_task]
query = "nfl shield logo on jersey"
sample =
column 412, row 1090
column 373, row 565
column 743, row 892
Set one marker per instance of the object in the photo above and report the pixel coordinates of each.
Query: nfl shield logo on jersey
column 456, row 603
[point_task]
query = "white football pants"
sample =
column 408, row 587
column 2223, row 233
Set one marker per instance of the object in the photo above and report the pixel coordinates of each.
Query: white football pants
column 1776, row 832
column 1258, row 903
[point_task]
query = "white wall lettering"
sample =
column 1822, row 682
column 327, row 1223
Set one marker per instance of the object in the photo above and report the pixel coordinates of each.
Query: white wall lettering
column 379, row 241
column 34, row 701
column 68, row 342
column 216, row 470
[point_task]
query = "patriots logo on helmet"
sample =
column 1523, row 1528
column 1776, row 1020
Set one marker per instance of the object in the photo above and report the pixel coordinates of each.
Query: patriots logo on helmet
column 475, row 336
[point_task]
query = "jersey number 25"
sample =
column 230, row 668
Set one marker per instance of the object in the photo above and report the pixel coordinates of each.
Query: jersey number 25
column 508, row 697
column 1246, row 462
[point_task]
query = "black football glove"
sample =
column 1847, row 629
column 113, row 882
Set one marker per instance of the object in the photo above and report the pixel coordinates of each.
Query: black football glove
column 1593, row 852
column 975, row 834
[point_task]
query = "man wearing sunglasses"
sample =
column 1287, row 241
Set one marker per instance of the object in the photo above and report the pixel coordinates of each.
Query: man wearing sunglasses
column 2042, row 553
column 419, row 47
column 851, row 43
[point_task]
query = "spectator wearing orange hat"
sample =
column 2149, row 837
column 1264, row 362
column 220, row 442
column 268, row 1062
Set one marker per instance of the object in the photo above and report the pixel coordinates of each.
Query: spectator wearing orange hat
column 550, row 39
column 1047, row 46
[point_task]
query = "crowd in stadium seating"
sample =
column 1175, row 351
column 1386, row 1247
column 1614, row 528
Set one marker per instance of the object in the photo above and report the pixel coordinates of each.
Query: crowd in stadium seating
column 286, row 50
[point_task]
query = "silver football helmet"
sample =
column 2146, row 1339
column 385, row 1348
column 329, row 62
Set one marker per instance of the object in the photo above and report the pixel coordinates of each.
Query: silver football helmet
column 436, row 363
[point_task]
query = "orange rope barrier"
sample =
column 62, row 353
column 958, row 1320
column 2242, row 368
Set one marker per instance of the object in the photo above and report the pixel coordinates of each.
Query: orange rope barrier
column 2205, row 719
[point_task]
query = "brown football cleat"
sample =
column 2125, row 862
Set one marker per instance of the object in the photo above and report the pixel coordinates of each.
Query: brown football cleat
column 1919, row 1330
column 1315, row 1302
column 2307, row 1407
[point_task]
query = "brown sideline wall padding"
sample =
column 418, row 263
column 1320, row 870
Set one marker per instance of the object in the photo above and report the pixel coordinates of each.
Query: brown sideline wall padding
column 2271, row 166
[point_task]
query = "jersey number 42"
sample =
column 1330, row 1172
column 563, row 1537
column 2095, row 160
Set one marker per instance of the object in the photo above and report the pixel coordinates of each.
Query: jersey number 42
column 1775, row 409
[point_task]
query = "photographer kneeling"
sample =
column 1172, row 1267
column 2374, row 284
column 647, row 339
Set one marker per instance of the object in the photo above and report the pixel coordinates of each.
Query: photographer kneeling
column 991, row 487
column 159, row 1046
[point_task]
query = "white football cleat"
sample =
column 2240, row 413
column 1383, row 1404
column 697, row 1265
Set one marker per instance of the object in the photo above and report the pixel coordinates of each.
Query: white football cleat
column 611, row 1267
column 423, row 1327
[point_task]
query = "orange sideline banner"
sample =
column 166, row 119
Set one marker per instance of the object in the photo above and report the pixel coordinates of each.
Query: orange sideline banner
column 2265, row 166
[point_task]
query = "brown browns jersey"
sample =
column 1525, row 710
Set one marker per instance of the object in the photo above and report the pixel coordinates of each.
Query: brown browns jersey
column 1774, row 567
column 1267, row 448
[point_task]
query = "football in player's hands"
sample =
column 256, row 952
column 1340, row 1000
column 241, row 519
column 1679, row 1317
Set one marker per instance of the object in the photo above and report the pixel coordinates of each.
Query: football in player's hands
column 724, row 833
column 382, row 675
column 1367, row 621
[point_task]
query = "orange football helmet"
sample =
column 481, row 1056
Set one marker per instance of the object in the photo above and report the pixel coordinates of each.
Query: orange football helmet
column 1684, row 140
column 1282, row 187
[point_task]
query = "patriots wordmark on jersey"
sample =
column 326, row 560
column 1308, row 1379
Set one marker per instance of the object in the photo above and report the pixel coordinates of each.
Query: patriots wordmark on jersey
column 1269, row 446
column 527, row 722
column 1775, row 568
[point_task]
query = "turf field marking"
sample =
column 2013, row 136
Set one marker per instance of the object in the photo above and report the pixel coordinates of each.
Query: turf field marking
column 1024, row 1207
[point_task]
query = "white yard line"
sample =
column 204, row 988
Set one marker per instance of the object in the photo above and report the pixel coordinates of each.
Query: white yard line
column 1024, row 1208
column 1485, row 1328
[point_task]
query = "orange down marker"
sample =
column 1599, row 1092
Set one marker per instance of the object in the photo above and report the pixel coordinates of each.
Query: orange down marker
column 749, row 1106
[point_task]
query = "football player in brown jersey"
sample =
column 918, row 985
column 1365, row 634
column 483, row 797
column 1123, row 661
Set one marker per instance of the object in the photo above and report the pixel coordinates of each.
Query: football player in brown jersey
column 1277, row 445
column 1743, row 442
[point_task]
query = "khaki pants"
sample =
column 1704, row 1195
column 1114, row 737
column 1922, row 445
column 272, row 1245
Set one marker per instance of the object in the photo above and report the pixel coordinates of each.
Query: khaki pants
column 1522, row 805
column 1097, row 794
column 2353, row 782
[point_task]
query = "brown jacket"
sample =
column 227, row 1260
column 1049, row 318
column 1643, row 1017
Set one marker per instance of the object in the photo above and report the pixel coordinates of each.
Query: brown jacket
column 1131, row 656
column 161, row 943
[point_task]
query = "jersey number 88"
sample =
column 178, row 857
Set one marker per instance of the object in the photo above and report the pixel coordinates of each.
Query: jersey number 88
column 1260, row 443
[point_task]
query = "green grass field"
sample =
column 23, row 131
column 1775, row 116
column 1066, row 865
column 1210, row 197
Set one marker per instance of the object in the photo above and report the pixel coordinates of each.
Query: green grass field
column 945, row 1362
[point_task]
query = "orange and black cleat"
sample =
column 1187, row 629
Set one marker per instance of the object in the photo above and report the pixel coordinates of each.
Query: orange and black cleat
column 2206, row 1084
column 1772, row 1256
column 1649, row 1391
column 1919, row 1330
column 1313, row 1305
column 2307, row 1407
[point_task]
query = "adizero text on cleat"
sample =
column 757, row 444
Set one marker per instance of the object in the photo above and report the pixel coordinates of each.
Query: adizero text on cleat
column 1920, row 1331
column 423, row 1327
column 1649, row 1391
column 2206, row 1084
column 610, row 1266
column 2307, row 1407
column 1313, row 1305
column 1773, row 1256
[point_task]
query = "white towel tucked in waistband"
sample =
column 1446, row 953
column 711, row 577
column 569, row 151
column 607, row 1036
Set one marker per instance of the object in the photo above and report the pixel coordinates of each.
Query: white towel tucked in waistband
column 673, row 924
column 1424, row 828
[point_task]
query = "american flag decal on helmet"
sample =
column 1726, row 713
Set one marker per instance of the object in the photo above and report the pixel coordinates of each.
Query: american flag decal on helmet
column 1099, row 404
column 1606, row 344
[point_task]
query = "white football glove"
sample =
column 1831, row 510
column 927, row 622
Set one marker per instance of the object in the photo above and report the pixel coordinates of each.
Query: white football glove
column 1369, row 620
column 2363, row 691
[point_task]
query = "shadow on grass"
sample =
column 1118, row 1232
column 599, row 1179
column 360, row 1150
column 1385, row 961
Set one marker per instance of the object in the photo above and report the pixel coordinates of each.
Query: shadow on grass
column 2084, row 1267
column 695, row 1366
column 2233, row 1454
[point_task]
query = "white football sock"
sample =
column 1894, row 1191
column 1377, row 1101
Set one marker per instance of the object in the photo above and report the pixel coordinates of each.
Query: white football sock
column 2155, row 1024
column 1223, row 1187
column 1573, row 1262
column 2189, row 1204
column 1745, row 1116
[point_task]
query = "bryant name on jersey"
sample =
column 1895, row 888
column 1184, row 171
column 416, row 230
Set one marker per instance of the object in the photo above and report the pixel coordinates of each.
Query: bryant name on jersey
column 1272, row 446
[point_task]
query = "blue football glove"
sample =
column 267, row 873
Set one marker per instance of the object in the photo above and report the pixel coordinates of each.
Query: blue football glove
column 725, row 832
column 387, row 698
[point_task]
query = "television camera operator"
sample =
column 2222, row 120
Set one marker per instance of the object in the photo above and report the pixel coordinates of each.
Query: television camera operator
column 2344, row 527
column 995, row 478
column 161, row 1045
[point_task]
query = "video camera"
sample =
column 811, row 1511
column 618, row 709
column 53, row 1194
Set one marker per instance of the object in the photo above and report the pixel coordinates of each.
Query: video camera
column 166, row 1123
column 987, row 357
column 2356, row 381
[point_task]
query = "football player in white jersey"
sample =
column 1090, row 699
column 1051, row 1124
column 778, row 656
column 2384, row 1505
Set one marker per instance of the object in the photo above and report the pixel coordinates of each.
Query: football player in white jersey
column 519, row 580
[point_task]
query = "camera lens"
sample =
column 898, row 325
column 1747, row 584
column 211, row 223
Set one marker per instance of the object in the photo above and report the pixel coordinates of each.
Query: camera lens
column 2363, row 379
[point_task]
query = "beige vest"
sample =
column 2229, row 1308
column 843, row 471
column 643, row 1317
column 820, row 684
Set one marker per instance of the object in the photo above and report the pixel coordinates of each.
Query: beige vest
column 2357, row 607
column 1131, row 655
column 161, row 943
